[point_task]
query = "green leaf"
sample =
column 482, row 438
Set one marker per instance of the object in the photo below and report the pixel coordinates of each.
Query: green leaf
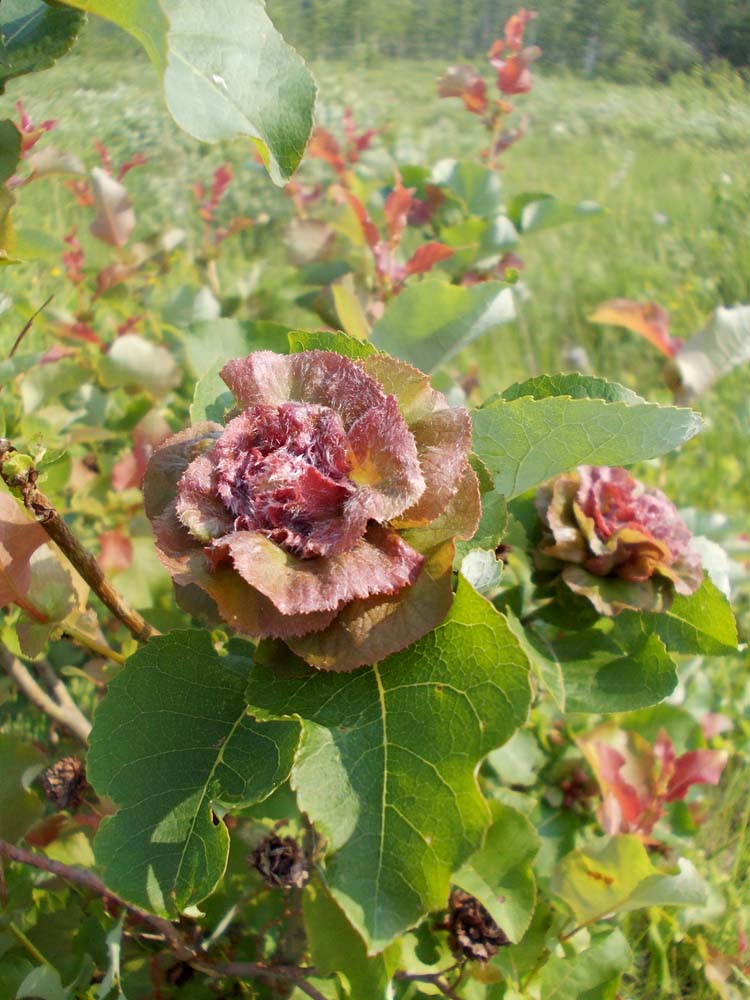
column 336, row 948
column 134, row 361
column 43, row 983
column 700, row 624
column 33, row 36
column 213, row 340
column 573, row 977
column 387, row 765
column 500, row 874
column 525, row 441
column 477, row 187
column 533, row 211
column 171, row 744
column 227, row 72
column 543, row 659
column 211, row 397
column 576, row 386
column 19, row 805
column 614, row 671
column 519, row 760
column 324, row 340
column 431, row 321
column 615, row 875
column 10, row 149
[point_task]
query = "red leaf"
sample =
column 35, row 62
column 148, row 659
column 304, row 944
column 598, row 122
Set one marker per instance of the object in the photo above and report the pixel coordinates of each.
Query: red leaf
column 20, row 537
column 148, row 433
column 515, row 27
column 513, row 74
column 323, row 146
column 427, row 256
column 368, row 226
column 397, row 206
column 115, row 551
column 647, row 318
column 697, row 767
column 466, row 83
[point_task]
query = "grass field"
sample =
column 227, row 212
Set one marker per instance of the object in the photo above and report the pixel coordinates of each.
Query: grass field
column 670, row 168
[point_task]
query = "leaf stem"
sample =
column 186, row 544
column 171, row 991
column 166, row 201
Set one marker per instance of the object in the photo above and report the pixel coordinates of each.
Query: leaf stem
column 89, row 642
column 30, row 947
column 82, row 561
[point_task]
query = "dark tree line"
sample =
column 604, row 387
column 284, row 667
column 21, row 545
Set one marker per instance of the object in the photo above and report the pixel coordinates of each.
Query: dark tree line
column 624, row 39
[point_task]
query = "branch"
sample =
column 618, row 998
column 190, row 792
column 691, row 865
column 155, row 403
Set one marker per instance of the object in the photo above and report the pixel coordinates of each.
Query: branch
column 286, row 973
column 171, row 935
column 434, row 978
column 27, row 326
column 84, row 563
column 87, row 880
column 65, row 712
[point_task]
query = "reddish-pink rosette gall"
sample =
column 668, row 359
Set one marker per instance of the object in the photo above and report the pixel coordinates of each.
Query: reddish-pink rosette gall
column 619, row 543
column 325, row 512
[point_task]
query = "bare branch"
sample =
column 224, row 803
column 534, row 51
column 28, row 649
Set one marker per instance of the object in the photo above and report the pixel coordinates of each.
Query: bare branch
column 286, row 973
column 434, row 979
column 82, row 561
column 92, row 883
column 57, row 687
column 66, row 714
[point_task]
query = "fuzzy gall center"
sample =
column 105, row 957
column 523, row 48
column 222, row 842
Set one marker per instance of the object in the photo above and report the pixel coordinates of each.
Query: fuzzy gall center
column 284, row 471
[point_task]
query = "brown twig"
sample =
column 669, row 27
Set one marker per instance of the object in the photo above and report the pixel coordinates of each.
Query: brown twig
column 61, row 709
column 286, row 973
column 27, row 326
column 81, row 560
column 167, row 932
column 433, row 978
column 87, row 880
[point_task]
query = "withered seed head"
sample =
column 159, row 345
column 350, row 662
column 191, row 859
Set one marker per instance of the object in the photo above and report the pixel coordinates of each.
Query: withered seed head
column 65, row 784
column 473, row 932
column 281, row 861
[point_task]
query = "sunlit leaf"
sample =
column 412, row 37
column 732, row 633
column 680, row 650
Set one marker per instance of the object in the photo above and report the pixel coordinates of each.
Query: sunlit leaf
column 226, row 71
column 386, row 769
column 700, row 624
column 585, row 974
column 134, row 361
column 525, row 441
column 500, row 873
column 615, row 874
column 431, row 321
